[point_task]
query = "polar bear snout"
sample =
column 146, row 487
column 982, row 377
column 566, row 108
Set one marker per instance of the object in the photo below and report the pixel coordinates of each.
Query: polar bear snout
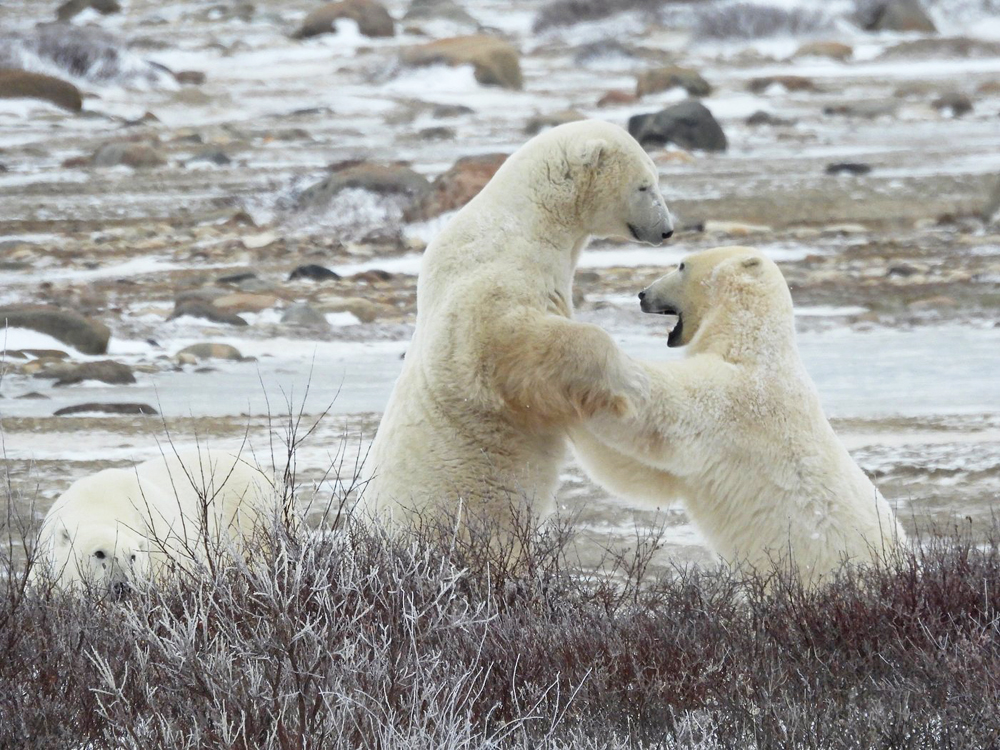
column 649, row 218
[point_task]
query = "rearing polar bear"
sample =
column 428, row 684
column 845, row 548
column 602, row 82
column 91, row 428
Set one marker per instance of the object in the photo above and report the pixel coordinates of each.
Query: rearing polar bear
column 497, row 370
column 736, row 428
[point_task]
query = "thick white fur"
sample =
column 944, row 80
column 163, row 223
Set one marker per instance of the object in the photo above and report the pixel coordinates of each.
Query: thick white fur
column 497, row 370
column 736, row 429
column 118, row 524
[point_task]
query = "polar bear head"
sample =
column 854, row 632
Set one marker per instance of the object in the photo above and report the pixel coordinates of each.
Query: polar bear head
column 94, row 534
column 733, row 294
column 595, row 176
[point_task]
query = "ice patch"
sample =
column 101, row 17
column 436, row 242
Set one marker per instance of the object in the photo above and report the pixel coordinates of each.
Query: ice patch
column 12, row 339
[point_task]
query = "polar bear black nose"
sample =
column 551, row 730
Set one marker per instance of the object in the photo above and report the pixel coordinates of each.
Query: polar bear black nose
column 642, row 294
column 667, row 235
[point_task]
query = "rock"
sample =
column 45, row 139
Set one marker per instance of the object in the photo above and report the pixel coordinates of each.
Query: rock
column 760, row 117
column 214, row 155
column 38, row 353
column 421, row 11
column 538, row 123
column 868, row 110
column 372, row 276
column 135, row 155
column 314, row 272
column 303, row 315
column 437, row 133
column 236, row 278
column 371, row 17
column 83, row 334
column 211, row 350
column 457, row 186
column 190, row 77
column 242, row 302
column 34, row 396
column 114, row 408
column 105, row 371
column 616, row 98
column 848, row 167
column 688, row 124
column 377, row 178
column 899, row 15
column 20, row 84
column 951, row 47
column 789, row 83
column 991, row 211
column 831, row 50
column 955, row 102
column 989, row 88
column 906, row 268
column 494, row 61
column 196, row 308
column 363, row 309
column 735, row 228
column 604, row 51
column 71, row 8
column 932, row 303
column 662, row 79
column 445, row 111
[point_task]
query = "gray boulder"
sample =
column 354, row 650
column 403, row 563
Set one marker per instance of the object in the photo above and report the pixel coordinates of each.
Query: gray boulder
column 688, row 124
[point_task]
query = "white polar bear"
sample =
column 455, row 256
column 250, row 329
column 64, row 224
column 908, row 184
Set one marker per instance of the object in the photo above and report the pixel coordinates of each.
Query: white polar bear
column 736, row 429
column 117, row 525
column 497, row 370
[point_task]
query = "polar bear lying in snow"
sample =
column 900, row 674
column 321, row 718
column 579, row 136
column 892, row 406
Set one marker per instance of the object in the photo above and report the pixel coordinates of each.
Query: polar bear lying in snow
column 120, row 524
column 736, row 428
column 497, row 370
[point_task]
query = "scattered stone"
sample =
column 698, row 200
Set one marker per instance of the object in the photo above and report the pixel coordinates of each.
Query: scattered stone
column 688, row 124
column 848, row 167
column 437, row 133
column 364, row 310
column 114, row 408
column 242, row 302
column 38, row 353
column 20, row 84
column 71, row 8
column 236, row 278
column 211, row 350
column 906, row 268
column 538, row 123
column 314, row 272
column 955, row 102
column 494, row 61
column 989, row 88
column 372, row 276
column 867, row 110
column 457, row 186
column 257, row 241
column 760, row 117
column 213, row 155
column 991, row 210
column 735, row 228
column 371, row 17
column 196, row 308
column 444, row 111
column 831, row 50
column 933, row 303
column 422, row 11
column 673, row 76
column 190, row 77
column 789, row 83
column 674, row 156
column 34, row 396
column 135, row 155
column 833, row 230
column 603, row 51
column 304, row 316
column 899, row 15
column 83, row 334
column 952, row 47
column 384, row 179
column 105, row 371
column 616, row 98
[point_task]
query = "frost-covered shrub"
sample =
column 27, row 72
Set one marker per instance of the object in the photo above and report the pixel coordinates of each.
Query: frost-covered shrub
column 753, row 21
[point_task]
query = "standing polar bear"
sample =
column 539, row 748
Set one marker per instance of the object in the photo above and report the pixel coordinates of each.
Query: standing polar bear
column 497, row 370
column 118, row 525
column 736, row 428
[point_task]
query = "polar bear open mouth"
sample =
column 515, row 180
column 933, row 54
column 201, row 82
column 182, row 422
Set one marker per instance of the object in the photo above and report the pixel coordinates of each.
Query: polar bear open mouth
column 635, row 233
column 673, row 339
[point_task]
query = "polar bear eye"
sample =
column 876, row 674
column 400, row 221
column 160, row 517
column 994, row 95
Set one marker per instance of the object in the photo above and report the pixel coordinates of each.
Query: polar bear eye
column 644, row 188
column 100, row 554
column 680, row 267
column 133, row 557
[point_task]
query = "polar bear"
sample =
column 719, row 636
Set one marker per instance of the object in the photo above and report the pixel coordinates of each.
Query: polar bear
column 736, row 430
column 118, row 525
column 497, row 369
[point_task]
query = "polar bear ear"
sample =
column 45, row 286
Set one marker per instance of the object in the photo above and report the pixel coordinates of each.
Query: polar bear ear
column 750, row 262
column 588, row 154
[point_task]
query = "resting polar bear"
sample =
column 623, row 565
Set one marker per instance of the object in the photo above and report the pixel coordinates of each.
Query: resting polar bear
column 120, row 524
column 497, row 370
column 736, row 428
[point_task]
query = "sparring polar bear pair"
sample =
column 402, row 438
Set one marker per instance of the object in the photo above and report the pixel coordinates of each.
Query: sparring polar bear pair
column 736, row 428
column 497, row 370
column 119, row 525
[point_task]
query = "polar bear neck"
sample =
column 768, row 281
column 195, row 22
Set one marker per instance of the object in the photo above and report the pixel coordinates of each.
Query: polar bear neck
column 757, row 335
